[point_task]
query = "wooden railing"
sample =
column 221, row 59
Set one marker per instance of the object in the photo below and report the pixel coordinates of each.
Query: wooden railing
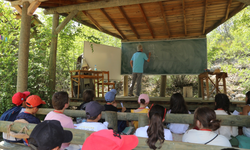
column 79, row 136
column 112, row 117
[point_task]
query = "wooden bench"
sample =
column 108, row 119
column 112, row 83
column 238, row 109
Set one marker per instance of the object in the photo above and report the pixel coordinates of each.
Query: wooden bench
column 79, row 136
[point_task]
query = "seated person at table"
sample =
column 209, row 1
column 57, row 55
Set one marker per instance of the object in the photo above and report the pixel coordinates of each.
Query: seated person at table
column 60, row 102
column 155, row 130
column 205, row 120
column 143, row 100
column 111, row 105
column 94, row 114
column 49, row 135
column 33, row 103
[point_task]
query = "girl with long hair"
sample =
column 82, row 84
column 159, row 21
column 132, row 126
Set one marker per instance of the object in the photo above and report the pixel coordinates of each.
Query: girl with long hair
column 205, row 120
column 246, row 111
column 222, row 108
column 155, row 131
column 178, row 106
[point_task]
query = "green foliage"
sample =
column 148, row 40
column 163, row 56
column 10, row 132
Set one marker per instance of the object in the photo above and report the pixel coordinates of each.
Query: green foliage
column 9, row 28
column 229, row 47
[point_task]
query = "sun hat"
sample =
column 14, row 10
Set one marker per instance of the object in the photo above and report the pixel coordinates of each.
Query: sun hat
column 48, row 135
column 20, row 97
column 34, row 100
column 145, row 97
column 110, row 96
column 110, row 140
column 93, row 109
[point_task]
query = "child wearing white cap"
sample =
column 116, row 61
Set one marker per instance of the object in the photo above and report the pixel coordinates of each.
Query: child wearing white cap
column 143, row 100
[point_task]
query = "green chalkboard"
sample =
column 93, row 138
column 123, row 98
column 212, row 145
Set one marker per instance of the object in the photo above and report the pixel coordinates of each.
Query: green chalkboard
column 168, row 57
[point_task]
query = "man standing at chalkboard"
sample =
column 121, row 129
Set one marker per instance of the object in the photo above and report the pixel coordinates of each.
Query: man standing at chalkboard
column 137, row 62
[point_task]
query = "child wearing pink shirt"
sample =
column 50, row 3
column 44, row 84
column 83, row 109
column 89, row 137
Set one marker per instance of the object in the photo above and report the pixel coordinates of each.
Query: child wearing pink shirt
column 60, row 102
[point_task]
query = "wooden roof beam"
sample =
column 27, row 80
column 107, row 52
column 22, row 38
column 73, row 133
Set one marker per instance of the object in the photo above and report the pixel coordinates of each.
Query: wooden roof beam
column 184, row 16
column 205, row 17
column 244, row 1
column 112, row 23
column 96, row 5
column 94, row 27
column 242, row 6
column 93, row 20
column 18, row 9
column 228, row 8
column 164, row 18
column 146, row 20
column 33, row 6
column 129, row 23
column 20, row 2
column 66, row 20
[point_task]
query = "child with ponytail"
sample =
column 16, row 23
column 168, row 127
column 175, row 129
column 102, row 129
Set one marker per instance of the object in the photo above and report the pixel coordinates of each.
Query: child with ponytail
column 205, row 120
column 155, row 131
column 143, row 100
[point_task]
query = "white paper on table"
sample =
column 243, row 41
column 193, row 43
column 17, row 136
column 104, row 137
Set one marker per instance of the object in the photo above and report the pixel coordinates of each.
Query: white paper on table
column 236, row 112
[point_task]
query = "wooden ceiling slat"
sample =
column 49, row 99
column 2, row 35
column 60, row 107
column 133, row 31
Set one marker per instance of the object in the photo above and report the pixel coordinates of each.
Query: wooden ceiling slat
column 112, row 23
column 94, row 27
column 242, row 5
column 184, row 16
column 228, row 8
column 96, row 5
column 153, row 20
column 205, row 17
column 129, row 23
column 94, row 22
column 164, row 18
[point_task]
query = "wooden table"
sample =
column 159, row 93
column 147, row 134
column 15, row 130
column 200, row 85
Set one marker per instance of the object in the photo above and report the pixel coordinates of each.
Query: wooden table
column 96, row 75
column 219, row 76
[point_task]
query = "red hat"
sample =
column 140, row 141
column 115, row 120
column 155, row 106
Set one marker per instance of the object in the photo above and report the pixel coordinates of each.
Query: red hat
column 34, row 100
column 110, row 140
column 19, row 97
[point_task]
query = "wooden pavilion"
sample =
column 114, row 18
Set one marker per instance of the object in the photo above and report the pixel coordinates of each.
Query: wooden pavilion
column 129, row 20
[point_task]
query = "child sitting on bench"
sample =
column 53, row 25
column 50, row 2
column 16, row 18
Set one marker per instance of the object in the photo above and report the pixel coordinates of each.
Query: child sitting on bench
column 60, row 102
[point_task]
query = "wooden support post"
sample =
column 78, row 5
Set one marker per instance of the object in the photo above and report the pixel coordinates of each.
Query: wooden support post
column 217, row 84
column 163, row 85
column 111, row 118
column 207, row 88
column 142, row 119
column 202, row 88
column 53, row 50
column 23, row 53
column 125, row 85
column 199, row 87
column 224, row 84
